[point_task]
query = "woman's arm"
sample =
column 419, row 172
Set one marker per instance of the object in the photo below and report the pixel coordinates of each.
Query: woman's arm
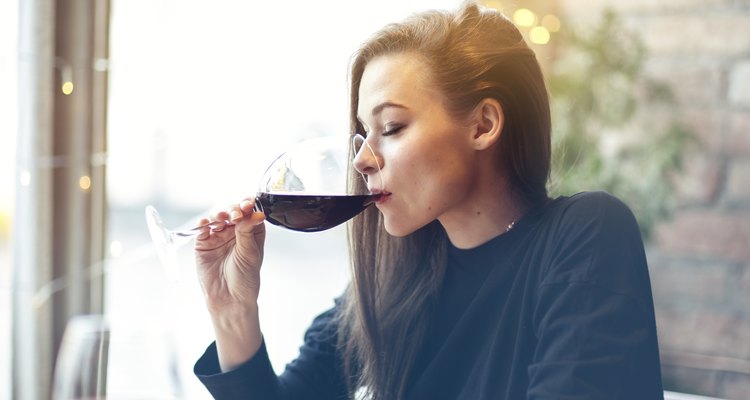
column 315, row 374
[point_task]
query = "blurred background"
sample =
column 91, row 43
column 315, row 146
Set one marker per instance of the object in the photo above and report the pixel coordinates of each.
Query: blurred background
column 109, row 105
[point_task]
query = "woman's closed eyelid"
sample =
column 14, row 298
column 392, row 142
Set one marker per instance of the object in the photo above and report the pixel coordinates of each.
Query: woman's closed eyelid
column 391, row 129
column 388, row 129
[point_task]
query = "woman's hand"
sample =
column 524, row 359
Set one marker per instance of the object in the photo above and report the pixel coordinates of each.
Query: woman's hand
column 229, row 259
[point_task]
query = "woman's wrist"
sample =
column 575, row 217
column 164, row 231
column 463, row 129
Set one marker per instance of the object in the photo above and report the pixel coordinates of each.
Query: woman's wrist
column 238, row 336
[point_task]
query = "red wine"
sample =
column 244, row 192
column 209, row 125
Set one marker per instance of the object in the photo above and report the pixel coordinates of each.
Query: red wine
column 312, row 213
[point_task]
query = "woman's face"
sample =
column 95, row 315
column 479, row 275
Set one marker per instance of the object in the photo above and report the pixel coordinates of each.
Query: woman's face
column 426, row 156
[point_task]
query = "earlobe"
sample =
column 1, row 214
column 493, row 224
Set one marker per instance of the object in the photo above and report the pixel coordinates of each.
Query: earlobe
column 490, row 120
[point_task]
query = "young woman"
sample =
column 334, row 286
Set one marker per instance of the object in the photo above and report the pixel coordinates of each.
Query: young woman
column 468, row 282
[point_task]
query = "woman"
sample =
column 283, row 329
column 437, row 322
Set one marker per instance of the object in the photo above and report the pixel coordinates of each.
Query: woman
column 468, row 282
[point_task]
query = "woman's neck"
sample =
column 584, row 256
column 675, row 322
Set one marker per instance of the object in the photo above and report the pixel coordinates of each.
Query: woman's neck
column 486, row 212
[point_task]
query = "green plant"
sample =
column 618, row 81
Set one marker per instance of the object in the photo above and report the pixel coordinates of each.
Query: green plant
column 605, row 136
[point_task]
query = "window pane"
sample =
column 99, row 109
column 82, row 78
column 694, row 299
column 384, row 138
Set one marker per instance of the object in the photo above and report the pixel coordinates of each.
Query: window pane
column 203, row 95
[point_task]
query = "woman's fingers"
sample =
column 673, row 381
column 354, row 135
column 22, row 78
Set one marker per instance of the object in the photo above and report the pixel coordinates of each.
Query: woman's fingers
column 205, row 231
column 237, row 212
column 220, row 216
column 242, row 214
column 246, row 206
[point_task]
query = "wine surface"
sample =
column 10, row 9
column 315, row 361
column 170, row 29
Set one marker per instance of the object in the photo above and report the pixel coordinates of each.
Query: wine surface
column 312, row 213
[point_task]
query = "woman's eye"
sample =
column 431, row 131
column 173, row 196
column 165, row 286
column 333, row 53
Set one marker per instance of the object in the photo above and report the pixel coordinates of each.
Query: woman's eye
column 392, row 130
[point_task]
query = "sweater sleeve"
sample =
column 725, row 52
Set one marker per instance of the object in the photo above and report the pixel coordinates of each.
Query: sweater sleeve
column 315, row 374
column 594, row 318
column 254, row 379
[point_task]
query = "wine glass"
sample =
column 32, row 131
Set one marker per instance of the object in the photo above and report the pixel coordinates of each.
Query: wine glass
column 306, row 189
column 81, row 366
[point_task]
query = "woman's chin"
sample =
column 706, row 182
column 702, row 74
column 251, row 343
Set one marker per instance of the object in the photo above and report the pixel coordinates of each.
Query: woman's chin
column 398, row 229
column 392, row 229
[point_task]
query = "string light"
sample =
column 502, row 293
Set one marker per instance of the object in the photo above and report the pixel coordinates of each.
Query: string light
column 524, row 17
column 539, row 31
column 539, row 35
column 66, row 75
column 84, row 182
column 67, row 88
column 551, row 22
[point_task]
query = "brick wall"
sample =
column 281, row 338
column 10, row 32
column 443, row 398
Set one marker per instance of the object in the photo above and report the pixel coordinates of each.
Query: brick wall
column 700, row 259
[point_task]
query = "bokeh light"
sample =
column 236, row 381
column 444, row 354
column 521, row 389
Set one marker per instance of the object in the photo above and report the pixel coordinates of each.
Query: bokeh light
column 115, row 248
column 524, row 17
column 67, row 88
column 551, row 22
column 24, row 178
column 84, row 182
column 539, row 35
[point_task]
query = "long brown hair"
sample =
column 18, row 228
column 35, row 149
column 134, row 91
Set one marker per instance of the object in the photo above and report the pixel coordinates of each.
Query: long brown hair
column 471, row 54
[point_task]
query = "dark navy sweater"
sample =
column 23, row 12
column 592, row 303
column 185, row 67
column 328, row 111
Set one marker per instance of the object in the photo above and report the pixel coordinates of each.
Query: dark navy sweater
column 560, row 307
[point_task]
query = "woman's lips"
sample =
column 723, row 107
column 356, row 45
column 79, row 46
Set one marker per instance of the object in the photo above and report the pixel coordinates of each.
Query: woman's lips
column 382, row 195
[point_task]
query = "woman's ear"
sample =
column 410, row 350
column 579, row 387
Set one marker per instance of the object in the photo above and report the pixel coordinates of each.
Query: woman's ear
column 489, row 119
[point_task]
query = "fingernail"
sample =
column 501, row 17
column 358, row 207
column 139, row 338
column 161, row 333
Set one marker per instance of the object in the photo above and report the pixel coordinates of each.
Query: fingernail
column 235, row 215
column 246, row 204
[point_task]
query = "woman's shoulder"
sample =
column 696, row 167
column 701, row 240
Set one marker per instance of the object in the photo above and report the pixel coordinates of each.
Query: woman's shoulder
column 591, row 202
column 588, row 210
column 589, row 237
column 585, row 222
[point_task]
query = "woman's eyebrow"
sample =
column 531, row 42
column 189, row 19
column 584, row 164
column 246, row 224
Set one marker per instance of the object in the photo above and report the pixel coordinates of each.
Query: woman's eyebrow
column 380, row 107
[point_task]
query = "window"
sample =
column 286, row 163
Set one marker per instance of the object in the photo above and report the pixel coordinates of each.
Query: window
column 202, row 96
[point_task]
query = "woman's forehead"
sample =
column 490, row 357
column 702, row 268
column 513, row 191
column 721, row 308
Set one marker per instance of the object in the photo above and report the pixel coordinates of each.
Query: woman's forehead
column 400, row 78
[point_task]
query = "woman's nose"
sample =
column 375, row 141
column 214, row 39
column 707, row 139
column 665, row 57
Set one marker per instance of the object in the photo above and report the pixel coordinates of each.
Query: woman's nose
column 366, row 162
